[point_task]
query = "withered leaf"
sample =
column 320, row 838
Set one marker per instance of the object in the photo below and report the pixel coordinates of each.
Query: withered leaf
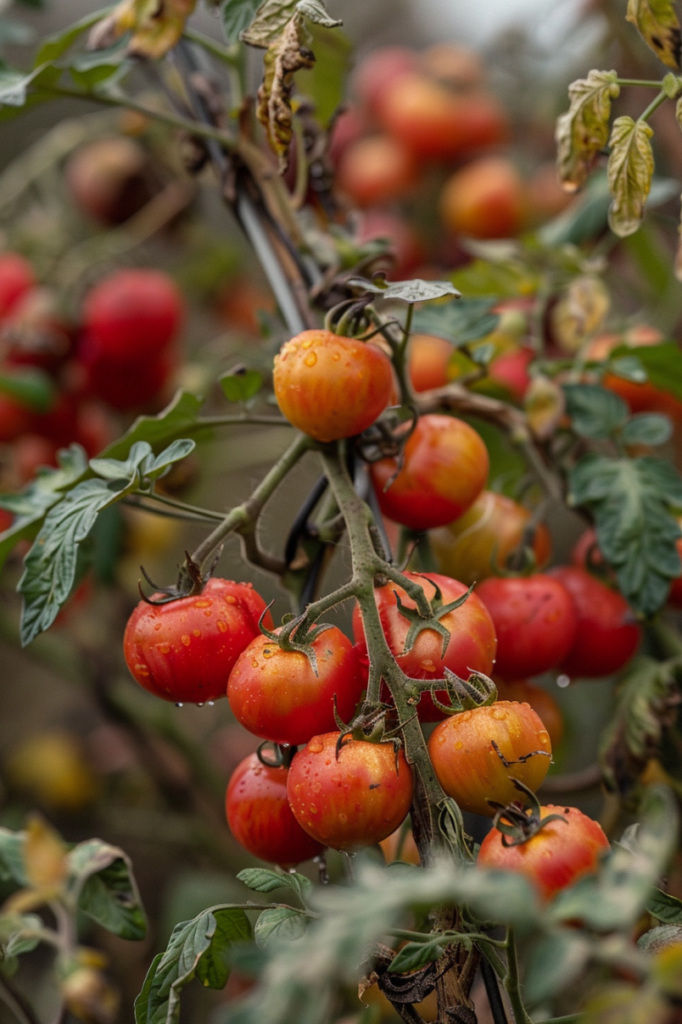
column 273, row 16
column 630, row 170
column 584, row 129
column 155, row 26
column 286, row 55
column 658, row 24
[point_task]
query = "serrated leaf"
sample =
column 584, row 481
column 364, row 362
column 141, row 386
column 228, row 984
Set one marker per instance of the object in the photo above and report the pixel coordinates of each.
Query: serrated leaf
column 658, row 24
column 584, row 129
column 280, row 924
column 264, row 880
column 197, row 948
column 55, row 45
column 630, row 170
column 554, row 961
column 664, row 907
column 595, row 412
column 241, row 385
column 648, row 428
column 236, row 16
column 458, row 322
column 101, row 878
column 415, row 290
column 415, row 955
column 176, row 452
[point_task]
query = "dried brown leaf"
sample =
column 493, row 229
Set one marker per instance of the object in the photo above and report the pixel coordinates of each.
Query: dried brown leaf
column 288, row 54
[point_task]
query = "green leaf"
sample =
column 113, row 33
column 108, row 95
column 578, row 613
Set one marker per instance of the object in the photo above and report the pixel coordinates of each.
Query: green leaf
column 415, row 955
column 555, row 960
column 14, row 85
column 197, row 948
column 664, row 907
column 647, row 428
column 264, row 880
column 179, row 419
column 54, row 46
column 240, row 385
column 325, row 82
column 658, row 24
column 236, row 16
column 632, row 502
column 458, row 322
column 50, row 565
column 594, row 411
column 584, row 129
column 33, row 388
column 630, row 170
column 12, row 857
column 280, row 924
column 415, row 290
column 629, row 368
column 102, row 878
column 662, row 363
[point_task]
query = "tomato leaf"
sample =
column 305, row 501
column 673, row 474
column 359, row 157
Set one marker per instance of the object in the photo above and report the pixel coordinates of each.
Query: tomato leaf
column 236, row 16
column 458, row 322
column 14, row 85
column 101, row 879
column 280, row 924
column 665, row 907
column 178, row 419
column 55, row 45
column 629, row 368
column 584, row 129
column 12, row 867
column 632, row 502
column 554, row 961
column 406, row 291
column 658, row 24
column 660, row 938
column 197, row 948
column 272, row 17
column 240, row 385
column 647, row 428
column 662, row 364
column 264, row 880
column 33, row 388
column 415, row 955
column 630, row 170
column 595, row 412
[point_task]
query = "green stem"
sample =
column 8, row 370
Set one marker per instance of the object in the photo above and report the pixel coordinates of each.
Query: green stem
column 513, row 982
column 227, row 56
column 654, row 105
column 181, row 506
column 638, row 81
column 229, row 421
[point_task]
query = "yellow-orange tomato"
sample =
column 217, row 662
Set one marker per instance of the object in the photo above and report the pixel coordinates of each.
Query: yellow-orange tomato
column 428, row 358
column 470, row 769
column 477, row 545
column 400, row 845
column 444, row 469
column 330, row 386
column 485, row 199
column 376, row 170
column 541, row 701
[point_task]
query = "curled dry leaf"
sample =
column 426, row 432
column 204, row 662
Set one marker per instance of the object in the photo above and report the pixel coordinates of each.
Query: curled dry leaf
column 580, row 312
column 658, row 24
column 630, row 170
column 544, row 406
column 584, row 129
column 283, row 58
column 155, row 26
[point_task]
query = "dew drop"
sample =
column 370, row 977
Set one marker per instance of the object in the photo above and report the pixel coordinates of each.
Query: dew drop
column 458, row 745
column 270, row 653
column 163, row 648
column 222, row 626
column 310, row 359
column 200, row 705
column 312, row 808
column 336, row 357
column 308, row 343
column 343, row 818
column 157, row 626
column 563, row 681
column 315, row 748
column 196, row 632
column 499, row 713
column 187, row 640
column 428, row 665
column 230, row 599
column 179, row 705
column 202, row 604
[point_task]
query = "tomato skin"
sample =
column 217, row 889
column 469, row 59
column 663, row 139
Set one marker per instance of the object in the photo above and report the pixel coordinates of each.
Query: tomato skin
column 555, row 857
column 428, row 361
column 132, row 316
column 471, row 647
column 606, row 636
column 375, row 170
column 353, row 801
column 478, row 543
column 469, row 768
column 535, row 622
column 260, row 817
column 119, row 384
column 445, row 467
column 378, row 72
column 541, row 701
column 330, row 386
column 185, row 650
column 276, row 695
column 16, row 279
column 409, row 852
column 485, row 199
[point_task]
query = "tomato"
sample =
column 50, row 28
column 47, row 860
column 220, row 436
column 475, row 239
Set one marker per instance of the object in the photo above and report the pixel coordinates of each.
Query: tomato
column 132, row 316
column 555, row 857
column 376, row 169
column 378, row 72
column 469, row 768
column 35, row 331
column 606, row 636
column 428, row 359
column 351, row 800
column 15, row 419
column 479, row 543
column 330, row 386
column 406, row 249
column 277, row 695
column 260, row 817
column 485, row 199
column 444, row 469
column 458, row 66
column 535, row 622
column 123, row 386
column 400, row 845
column 16, row 279
column 510, row 369
column 471, row 647
column 110, row 179
column 185, row 650
column 541, row 701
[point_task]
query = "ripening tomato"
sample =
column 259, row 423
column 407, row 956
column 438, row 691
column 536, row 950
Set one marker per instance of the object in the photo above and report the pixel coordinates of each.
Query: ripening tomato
column 535, row 622
column 606, row 635
column 185, row 650
column 444, row 469
column 510, row 369
column 330, row 386
column 428, row 358
column 16, row 279
column 456, row 65
column 400, row 845
column 278, row 695
column 352, row 799
column 555, row 857
column 132, row 315
column 470, row 769
column 485, row 199
column 111, row 179
column 378, row 72
column 123, row 386
column 260, row 817
column 471, row 647
column 376, row 169
column 541, row 701
column 478, row 544
column 15, row 419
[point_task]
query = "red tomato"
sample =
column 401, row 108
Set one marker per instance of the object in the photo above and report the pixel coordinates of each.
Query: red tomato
column 186, row 649
column 122, row 386
column 445, row 467
column 260, row 817
column 330, row 386
column 378, row 72
column 15, row 419
column 555, row 857
column 428, row 361
column 16, row 278
column 541, row 701
column 606, row 636
column 132, row 316
column 110, row 179
column 348, row 127
column 535, row 623
column 511, row 371
column 353, row 800
column 469, row 768
column 485, row 199
column 277, row 695
column 35, row 331
column 471, row 647
column 376, row 169
column 478, row 544
column 6, row 520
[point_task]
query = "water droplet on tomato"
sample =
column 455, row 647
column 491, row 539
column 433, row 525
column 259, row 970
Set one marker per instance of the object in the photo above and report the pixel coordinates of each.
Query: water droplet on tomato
column 308, row 343
column 268, row 652
column 563, row 681
column 428, row 665
column 310, row 359
column 316, row 787
column 157, row 626
column 163, row 648
column 179, row 705
column 336, row 357
column 312, row 808
column 499, row 713
column 230, row 599
column 222, row 626
column 315, row 748
column 196, row 632
column 202, row 604
column 343, row 818
column 187, row 640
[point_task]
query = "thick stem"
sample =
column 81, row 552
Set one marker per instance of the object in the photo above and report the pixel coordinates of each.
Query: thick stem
column 513, row 981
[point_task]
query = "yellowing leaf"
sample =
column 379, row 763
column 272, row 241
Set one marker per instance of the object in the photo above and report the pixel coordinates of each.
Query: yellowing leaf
column 544, row 405
column 284, row 57
column 45, row 855
column 273, row 16
column 155, row 26
column 630, row 170
column 584, row 129
column 667, row 970
column 580, row 312
column 658, row 24
column 619, row 1003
